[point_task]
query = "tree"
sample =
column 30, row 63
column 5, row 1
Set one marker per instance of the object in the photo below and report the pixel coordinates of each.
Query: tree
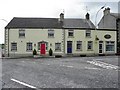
column 50, row 52
column 34, row 52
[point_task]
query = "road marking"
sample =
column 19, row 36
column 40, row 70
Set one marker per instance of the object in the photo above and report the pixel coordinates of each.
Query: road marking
column 91, row 68
column 70, row 66
column 103, row 65
column 22, row 83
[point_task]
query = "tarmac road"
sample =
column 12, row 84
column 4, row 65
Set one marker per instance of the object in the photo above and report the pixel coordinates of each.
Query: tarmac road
column 71, row 72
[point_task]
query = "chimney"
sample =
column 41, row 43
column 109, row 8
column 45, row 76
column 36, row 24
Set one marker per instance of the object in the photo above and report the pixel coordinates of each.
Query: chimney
column 61, row 17
column 87, row 16
column 106, row 11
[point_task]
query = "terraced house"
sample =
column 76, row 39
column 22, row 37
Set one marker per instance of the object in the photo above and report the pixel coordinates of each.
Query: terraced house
column 65, row 36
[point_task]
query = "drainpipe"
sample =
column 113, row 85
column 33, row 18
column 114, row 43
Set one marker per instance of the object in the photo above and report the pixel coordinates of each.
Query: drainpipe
column 8, row 42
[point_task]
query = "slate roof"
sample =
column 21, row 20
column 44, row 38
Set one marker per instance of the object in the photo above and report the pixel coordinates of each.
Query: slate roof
column 34, row 23
column 49, row 23
column 78, row 23
column 116, row 15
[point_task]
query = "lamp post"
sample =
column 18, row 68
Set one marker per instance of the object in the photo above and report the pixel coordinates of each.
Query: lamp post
column 96, row 38
column 5, row 35
column 97, row 14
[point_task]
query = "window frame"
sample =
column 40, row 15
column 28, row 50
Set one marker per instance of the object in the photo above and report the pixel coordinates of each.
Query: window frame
column 51, row 33
column 88, row 33
column 90, row 43
column 13, row 48
column 21, row 33
column 58, row 49
column 109, row 44
column 80, row 43
column 70, row 31
column 28, row 46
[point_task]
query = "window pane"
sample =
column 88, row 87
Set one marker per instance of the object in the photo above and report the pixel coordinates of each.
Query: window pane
column 21, row 33
column 88, row 33
column 79, row 45
column 13, row 46
column 29, row 46
column 71, row 33
column 58, row 46
column 50, row 33
column 110, row 45
column 90, row 45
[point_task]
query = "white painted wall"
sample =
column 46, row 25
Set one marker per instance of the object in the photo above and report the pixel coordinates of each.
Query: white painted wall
column 37, row 35
column 34, row 36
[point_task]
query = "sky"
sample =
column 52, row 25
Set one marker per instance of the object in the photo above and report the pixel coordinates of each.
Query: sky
column 52, row 9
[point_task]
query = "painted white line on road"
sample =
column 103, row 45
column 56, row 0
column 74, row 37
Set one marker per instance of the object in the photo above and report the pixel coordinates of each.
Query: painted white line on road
column 91, row 68
column 103, row 65
column 70, row 66
column 22, row 83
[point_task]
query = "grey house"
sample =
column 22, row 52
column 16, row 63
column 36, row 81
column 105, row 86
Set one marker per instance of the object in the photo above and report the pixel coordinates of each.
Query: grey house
column 110, row 21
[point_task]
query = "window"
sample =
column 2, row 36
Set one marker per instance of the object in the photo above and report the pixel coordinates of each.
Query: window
column 29, row 46
column 70, row 33
column 90, row 45
column 79, row 45
column 22, row 33
column 50, row 33
column 110, row 45
column 88, row 33
column 57, row 46
column 13, row 46
column 39, row 43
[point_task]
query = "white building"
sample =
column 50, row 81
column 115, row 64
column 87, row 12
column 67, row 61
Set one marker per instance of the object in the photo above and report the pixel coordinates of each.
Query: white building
column 65, row 36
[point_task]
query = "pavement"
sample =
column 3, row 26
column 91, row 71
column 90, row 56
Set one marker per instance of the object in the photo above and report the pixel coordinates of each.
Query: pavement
column 70, row 72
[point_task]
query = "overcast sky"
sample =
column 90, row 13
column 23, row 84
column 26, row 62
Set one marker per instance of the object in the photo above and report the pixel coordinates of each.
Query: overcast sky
column 52, row 9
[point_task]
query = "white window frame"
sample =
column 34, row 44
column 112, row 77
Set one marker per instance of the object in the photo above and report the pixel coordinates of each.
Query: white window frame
column 110, row 43
column 29, row 46
column 79, row 45
column 51, row 33
column 21, row 33
column 13, row 46
column 71, row 32
column 91, row 45
column 57, row 46
column 88, row 33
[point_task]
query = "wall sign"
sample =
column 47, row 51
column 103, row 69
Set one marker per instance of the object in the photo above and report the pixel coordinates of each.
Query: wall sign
column 107, row 36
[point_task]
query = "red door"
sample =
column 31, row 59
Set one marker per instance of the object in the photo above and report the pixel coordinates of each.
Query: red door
column 43, row 49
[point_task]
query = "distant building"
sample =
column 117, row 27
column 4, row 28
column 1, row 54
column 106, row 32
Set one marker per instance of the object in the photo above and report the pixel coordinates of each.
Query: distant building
column 65, row 36
column 110, row 21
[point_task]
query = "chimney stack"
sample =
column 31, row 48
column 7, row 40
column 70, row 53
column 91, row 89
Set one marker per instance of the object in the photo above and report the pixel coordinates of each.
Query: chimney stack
column 61, row 17
column 87, row 16
column 106, row 11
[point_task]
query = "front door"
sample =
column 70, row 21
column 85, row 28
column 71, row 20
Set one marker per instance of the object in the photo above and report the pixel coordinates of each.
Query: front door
column 100, row 47
column 42, row 49
column 69, row 47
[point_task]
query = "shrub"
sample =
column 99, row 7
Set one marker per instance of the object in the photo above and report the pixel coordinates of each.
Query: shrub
column 34, row 52
column 50, row 52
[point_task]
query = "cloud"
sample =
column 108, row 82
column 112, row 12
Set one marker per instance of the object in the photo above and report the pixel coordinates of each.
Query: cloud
column 51, row 8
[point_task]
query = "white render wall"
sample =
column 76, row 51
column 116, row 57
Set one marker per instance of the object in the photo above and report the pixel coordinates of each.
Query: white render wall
column 34, row 36
column 38, row 35
column 79, row 35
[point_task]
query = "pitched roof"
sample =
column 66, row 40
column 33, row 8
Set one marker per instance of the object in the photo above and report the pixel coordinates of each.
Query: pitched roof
column 78, row 23
column 49, row 23
column 34, row 23
column 116, row 15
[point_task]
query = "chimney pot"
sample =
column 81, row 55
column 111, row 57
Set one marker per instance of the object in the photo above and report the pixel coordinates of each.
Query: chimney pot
column 106, row 11
column 87, row 16
column 61, row 17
